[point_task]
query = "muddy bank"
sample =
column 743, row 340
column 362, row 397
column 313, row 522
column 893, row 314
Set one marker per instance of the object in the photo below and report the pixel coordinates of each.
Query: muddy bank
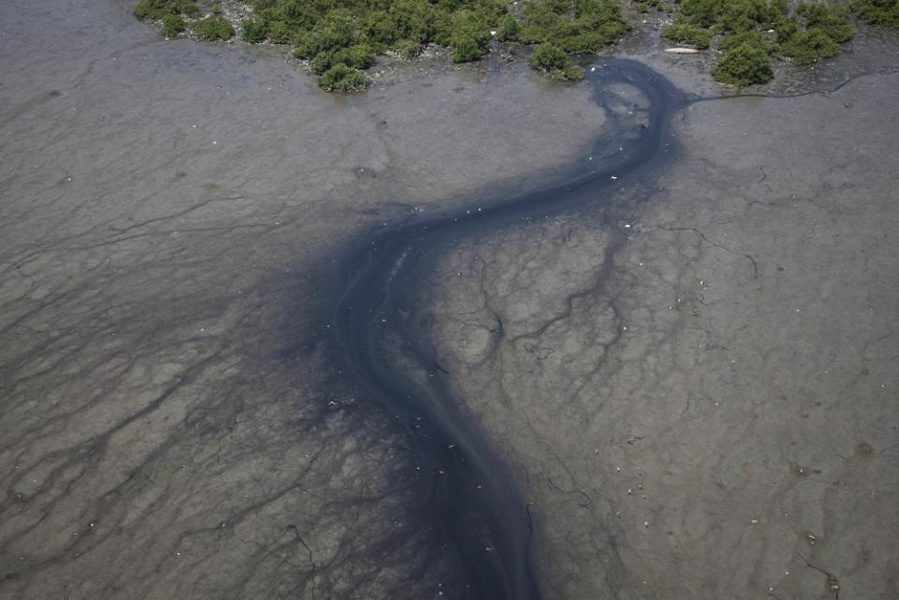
column 711, row 412
column 169, row 210
column 173, row 426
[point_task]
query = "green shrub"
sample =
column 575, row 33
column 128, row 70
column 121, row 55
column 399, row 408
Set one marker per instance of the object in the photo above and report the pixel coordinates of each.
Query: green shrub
column 831, row 19
column 355, row 57
column 540, row 22
column 342, row 78
column 644, row 5
column 358, row 56
column 254, row 30
column 464, row 47
column 752, row 37
column 807, row 47
column 555, row 63
column 412, row 20
column 172, row 25
column 324, row 39
column 745, row 15
column 321, row 62
column 159, row 9
column 813, row 32
column 578, row 26
column 470, row 37
column 407, row 48
column 878, row 12
column 748, row 31
column 509, row 29
column 547, row 57
column 279, row 32
column 687, row 33
column 215, row 27
column 786, row 28
column 703, row 13
column 744, row 65
column 379, row 27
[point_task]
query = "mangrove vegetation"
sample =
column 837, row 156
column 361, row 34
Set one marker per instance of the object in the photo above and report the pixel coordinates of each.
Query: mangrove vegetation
column 340, row 39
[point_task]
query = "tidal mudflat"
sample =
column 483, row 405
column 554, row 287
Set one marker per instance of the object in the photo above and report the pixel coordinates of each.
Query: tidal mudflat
column 691, row 384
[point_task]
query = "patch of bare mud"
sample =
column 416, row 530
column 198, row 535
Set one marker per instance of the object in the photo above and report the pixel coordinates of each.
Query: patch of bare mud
column 711, row 410
column 169, row 427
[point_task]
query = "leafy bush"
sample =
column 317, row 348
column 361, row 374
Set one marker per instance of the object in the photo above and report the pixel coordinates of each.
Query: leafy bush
column 159, row 9
column 279, row 32
column 687, row 33
column 813, row 32
column 464, row 47
column 578, row 26
column 412, row 20
column 214, row 27
column 254, row 30
column 358, row 56
column 748, row 31
column 744, row 65
column 324, row 39
column 470, row 37
column 172, row 25
column 585, row 42
column 407, row 48
column 322, row 30
column 644, row 5
column 509, row 29
column 752, row 37
column 807, row 47
column 342, row 78
column 746, row 15
column 555, row 63
column 703, row 13
column 878, row 12
column 832, row 20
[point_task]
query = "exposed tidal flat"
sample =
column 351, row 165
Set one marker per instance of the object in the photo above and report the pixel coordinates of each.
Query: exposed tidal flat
column 691, row 383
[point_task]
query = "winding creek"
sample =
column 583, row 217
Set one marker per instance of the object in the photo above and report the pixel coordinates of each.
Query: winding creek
column 473, row 502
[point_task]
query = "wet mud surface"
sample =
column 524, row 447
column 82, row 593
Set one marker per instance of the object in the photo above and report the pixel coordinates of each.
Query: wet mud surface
column 685, row 387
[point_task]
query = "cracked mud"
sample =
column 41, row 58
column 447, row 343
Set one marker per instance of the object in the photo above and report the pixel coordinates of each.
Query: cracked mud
column 683, row 385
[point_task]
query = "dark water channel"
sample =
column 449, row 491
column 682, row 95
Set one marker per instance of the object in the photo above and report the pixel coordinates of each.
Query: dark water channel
column 381, row 337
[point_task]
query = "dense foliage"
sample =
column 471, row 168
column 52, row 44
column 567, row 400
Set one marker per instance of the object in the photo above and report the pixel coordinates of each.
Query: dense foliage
column 750, row 32
column 555, row 63
column 172, row 14
column 172, row 25
column 214, row 27
column 159, row 9
column 744, row 65
column 341, row 38
column 879, row 12
column 688, row 33
column 573, row 26
column 323, row 32
column 342, row 78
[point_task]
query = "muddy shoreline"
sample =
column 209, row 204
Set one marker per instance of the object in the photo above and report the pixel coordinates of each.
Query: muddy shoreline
column 173, row 424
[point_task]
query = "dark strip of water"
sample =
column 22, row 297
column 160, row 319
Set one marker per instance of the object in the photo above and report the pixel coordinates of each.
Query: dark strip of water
column 474, row 504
